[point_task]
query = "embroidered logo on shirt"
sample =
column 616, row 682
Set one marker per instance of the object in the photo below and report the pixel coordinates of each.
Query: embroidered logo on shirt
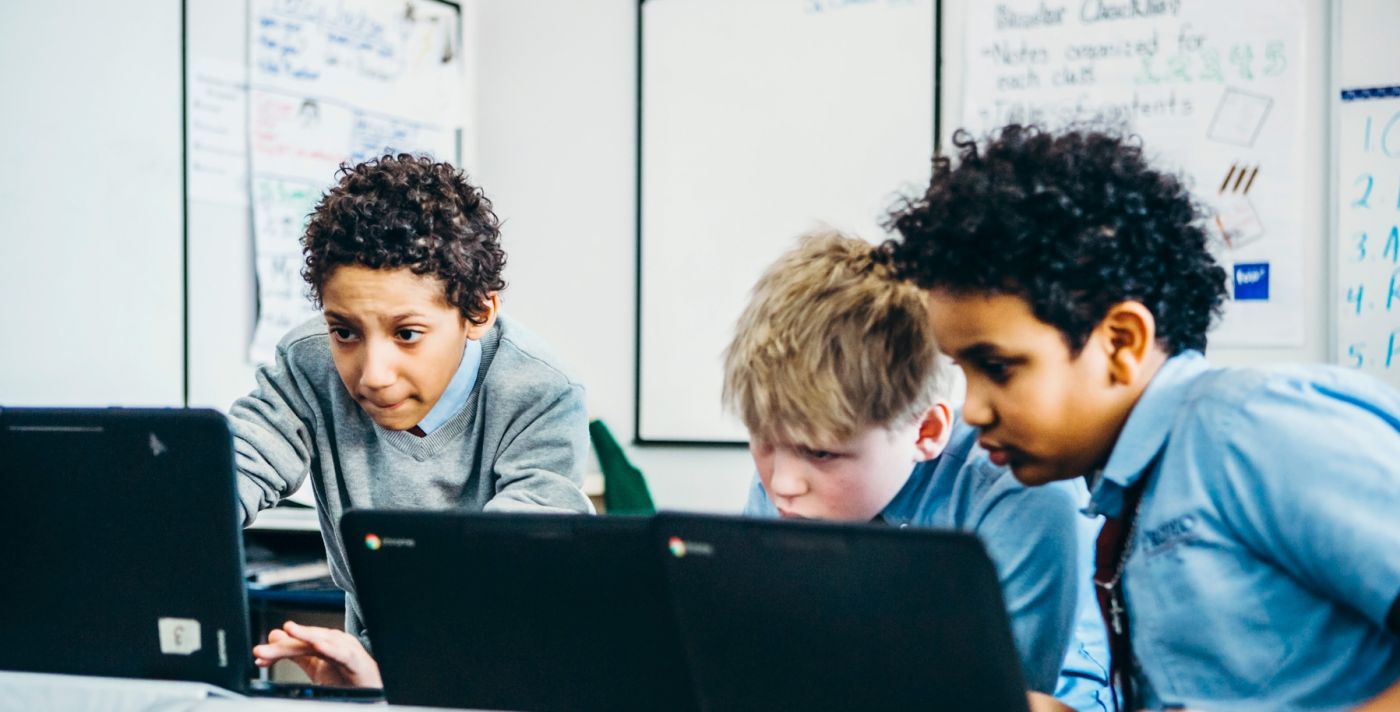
column 1166, row 535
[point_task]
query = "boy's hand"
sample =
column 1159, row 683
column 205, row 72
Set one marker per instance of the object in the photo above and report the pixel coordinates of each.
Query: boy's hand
column 327, row 656
column 1041, row 702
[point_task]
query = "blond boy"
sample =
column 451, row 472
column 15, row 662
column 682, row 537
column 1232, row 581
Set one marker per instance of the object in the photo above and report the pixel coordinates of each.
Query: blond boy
column 835, row 374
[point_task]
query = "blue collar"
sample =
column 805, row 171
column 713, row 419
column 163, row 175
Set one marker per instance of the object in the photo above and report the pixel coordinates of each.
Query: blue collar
column 457, row 391
column 1145, row 433
column 907, row 503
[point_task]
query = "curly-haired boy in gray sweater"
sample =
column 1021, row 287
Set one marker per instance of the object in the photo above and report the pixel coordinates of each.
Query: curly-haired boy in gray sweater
column 411, row 392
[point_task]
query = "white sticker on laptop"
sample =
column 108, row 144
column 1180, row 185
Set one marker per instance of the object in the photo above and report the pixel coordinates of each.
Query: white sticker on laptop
column 178, row 636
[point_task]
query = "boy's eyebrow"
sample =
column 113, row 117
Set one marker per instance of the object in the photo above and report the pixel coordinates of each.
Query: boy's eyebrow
column 978, row 350
column 337, row 316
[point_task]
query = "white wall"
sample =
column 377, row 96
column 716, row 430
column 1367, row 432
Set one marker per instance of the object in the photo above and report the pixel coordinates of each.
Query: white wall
column 557, row 147
column 88, row 319
column 91, row 304
column 557, row 132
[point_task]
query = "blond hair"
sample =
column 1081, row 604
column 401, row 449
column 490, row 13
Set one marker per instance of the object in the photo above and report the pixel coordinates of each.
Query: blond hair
column 831, row 343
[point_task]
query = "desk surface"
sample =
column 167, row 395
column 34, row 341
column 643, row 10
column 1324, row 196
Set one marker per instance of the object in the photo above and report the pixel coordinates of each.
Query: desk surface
column 26, row 691
column 284, row 518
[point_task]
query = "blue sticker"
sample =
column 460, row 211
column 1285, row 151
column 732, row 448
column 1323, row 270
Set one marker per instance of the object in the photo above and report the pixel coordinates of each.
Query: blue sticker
column 1252, row 281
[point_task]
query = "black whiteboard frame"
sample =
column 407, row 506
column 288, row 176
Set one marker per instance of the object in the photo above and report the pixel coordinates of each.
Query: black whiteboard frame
column 637, row 438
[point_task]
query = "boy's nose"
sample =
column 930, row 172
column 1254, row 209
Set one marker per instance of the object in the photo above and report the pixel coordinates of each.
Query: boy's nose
column 379, row 370
column 788, row 479
column 977, row 409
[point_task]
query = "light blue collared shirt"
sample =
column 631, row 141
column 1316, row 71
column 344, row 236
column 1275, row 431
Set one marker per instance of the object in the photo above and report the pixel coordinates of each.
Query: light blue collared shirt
column 1266, row 554
column 1042, row 549
column 458, row 389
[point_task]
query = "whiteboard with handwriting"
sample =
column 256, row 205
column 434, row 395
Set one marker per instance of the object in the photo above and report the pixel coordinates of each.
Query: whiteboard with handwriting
column 276, row 94
column 332, row 81
column 1366, row 204
column 1215, row 91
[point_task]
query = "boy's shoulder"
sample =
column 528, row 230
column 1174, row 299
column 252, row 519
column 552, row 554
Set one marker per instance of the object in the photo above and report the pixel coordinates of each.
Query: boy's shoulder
column 523, row 361
column 311, row 332
column 1307, row 396
column 306, row 348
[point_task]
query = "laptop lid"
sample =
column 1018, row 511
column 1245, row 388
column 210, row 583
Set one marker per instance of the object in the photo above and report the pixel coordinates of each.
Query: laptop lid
column 121, row 549
column 499, row 611
column 815, row 616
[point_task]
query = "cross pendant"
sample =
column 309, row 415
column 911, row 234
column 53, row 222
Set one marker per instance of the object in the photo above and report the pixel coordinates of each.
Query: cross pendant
column 1115, row 612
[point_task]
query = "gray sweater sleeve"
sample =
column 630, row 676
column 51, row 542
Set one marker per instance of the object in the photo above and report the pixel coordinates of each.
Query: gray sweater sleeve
column 271, row 438
column 540, row 465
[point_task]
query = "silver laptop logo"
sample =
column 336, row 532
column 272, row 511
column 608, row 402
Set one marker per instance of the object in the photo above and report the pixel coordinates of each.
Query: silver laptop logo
column 157, row 447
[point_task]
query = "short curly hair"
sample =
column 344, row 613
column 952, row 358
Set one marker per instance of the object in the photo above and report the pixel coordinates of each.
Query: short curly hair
column 400, row 211
column 1073, row 222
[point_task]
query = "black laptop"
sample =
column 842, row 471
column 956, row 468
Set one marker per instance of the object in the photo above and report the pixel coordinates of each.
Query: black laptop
column 516, row 612
column 813, row 616
column 121, row 552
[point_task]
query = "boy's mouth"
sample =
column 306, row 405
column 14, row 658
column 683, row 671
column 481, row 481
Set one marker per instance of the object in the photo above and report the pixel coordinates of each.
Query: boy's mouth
column 381, row 406
column 999, row 456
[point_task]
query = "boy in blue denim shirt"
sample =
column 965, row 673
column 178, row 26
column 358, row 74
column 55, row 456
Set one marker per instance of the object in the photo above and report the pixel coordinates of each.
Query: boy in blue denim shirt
column 1252, row 555
column 835, row 374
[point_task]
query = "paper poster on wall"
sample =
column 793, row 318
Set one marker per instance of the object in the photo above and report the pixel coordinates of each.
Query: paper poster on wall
column 1214, row 90
column 218, row 132
column 334, row 81
column 1367, row 240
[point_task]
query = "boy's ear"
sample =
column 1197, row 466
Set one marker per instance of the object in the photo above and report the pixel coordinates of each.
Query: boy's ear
column 493, row 306
column 1130, row 336
column 935, row 430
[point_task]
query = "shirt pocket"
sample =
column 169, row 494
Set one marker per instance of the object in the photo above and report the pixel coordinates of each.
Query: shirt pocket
column 1209, row 629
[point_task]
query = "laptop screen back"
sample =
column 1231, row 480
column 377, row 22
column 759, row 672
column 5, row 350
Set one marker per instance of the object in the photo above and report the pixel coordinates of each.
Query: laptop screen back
column 120, row 552
column 539, row 612
column 784, row 615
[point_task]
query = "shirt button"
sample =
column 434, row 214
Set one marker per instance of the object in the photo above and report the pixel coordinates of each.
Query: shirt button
column 904, row 525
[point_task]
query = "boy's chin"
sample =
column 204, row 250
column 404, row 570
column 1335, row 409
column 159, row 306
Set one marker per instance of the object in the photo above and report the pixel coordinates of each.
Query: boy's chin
column 1034, row 473
column 395, row 421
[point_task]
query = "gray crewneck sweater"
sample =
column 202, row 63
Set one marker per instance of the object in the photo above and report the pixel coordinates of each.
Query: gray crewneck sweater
column 519, row 443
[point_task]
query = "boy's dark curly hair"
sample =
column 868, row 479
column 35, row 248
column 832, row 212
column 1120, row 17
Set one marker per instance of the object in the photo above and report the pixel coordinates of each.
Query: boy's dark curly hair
column 1073, row 223
column 408, row 211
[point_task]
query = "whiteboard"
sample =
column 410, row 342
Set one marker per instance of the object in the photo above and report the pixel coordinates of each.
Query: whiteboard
column 1366, row 199
column 760, row 119
column 283, row 49
column 1215, row 90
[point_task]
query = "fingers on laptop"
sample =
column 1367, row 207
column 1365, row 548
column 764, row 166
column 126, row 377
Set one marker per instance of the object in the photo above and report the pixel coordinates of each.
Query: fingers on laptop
column 1041, row 702
column 327, row 656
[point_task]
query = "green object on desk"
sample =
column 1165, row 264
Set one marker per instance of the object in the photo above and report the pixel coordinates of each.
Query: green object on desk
column 624, row 488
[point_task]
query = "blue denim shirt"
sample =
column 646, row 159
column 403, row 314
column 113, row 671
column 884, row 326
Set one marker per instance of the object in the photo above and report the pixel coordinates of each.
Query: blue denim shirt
column 1042, row 549
column 1266, row 554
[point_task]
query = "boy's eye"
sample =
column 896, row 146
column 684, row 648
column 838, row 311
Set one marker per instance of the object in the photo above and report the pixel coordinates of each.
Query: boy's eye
column 819, row 455
column 341, row 333
column 409, row 335
column 998, row 371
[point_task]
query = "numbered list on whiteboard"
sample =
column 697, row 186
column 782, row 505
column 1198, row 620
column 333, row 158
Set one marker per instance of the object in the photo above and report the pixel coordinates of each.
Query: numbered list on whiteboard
column 1368, row 231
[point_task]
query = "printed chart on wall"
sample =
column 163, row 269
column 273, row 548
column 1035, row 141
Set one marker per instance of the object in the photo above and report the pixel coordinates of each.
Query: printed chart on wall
column 1214, row 90
column 334, row 81
column 1367, row 317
